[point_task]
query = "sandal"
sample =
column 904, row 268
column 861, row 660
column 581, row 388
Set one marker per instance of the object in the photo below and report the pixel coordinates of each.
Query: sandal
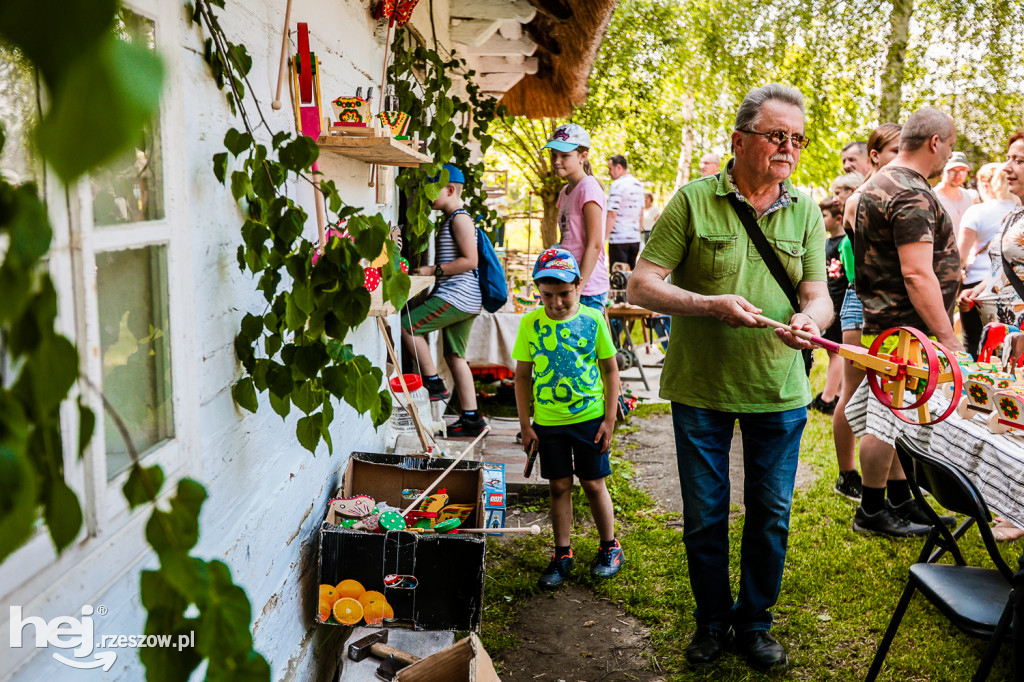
column 1005, row 531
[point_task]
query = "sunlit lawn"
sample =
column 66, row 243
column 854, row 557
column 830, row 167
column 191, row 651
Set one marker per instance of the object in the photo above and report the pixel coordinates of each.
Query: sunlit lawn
column 838, row 593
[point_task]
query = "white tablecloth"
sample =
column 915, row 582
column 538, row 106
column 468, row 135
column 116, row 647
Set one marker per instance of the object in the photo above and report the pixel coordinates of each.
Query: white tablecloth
column 994, row 463
column 492, row 339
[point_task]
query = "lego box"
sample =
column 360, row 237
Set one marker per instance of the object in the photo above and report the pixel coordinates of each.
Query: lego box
column 402, row 578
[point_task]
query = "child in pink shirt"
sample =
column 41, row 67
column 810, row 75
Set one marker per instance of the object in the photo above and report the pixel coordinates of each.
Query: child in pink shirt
column 581, row 211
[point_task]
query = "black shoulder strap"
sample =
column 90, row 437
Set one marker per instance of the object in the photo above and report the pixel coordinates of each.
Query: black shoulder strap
column 771, row 259
column 1015, row 282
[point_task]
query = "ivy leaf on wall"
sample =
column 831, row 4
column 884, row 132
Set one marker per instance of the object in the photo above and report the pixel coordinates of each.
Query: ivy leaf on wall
column 100, row 107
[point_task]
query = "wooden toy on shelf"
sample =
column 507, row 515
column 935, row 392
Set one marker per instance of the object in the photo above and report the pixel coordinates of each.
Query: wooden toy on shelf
column 914, row 365
column 306, row 83
column 397, row 122
column 353, row 112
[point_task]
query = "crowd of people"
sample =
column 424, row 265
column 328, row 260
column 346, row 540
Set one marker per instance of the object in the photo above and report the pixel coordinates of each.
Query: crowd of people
column 731, row 252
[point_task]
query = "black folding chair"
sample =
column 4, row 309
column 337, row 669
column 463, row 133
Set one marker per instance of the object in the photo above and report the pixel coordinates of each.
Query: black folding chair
column 979, row 601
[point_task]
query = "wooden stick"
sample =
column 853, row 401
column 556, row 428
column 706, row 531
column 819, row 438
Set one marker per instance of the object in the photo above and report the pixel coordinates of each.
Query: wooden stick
column 321, row 216
column 799, row 333
column 437, row 481
column 276, row 104
column 405, row 389
column 532, row 530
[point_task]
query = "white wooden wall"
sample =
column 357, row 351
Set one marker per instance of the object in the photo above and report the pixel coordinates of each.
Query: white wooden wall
column 266, row 493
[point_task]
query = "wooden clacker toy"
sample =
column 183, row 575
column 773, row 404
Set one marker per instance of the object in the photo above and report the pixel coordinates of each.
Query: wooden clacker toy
column 915, row 365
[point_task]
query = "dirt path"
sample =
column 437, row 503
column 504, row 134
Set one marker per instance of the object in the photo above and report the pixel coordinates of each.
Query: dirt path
column 573, row 636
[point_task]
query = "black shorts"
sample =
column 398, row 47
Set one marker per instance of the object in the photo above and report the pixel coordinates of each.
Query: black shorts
column 623, row 253
column 570, row 448
column 834, row 332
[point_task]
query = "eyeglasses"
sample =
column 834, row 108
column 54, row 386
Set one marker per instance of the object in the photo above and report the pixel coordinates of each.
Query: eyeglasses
column 780, row 137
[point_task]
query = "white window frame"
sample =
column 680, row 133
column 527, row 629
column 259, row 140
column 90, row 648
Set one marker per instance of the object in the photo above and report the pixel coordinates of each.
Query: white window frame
column 112, row 540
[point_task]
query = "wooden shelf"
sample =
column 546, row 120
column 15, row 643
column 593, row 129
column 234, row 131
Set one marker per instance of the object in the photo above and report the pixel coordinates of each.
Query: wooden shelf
column 383, row 151
column 378, row 308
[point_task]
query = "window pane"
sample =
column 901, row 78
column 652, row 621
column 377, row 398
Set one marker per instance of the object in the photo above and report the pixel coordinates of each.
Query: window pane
column 135, row 349
column 130, row 188
column 19, row 111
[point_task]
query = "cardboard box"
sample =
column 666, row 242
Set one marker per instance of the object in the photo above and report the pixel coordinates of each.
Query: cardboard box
column 464, row 661
column 440, row 577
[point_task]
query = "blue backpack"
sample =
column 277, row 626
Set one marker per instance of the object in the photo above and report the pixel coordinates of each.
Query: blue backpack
column 490, row 274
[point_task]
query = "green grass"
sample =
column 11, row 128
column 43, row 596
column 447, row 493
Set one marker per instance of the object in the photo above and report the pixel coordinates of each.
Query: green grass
column 838, row 592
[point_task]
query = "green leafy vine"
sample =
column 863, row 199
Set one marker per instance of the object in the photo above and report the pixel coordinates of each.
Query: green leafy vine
column 422, row 81
column 94, row 113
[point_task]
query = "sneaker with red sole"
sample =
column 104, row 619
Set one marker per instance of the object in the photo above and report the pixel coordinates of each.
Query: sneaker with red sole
column 557, row 571
column 608, row 561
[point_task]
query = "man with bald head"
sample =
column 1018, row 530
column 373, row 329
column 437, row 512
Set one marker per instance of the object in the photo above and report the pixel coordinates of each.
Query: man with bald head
column 709, row 164
column 907, row 274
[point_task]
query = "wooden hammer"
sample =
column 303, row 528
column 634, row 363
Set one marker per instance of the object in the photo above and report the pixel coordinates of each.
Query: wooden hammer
column 376, row 645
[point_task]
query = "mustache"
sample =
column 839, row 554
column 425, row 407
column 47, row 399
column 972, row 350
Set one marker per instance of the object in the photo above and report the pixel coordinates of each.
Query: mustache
column 782, row 157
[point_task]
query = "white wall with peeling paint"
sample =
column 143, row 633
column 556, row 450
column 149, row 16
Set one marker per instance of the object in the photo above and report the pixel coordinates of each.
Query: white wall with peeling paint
column 266, row 493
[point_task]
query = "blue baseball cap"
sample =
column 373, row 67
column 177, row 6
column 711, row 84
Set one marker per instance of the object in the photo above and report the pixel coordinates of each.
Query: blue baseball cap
column 557, row 263
column 454, row 175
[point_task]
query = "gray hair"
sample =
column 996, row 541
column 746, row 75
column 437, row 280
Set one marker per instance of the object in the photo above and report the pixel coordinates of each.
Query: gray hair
column 924, row 124
column 860, row 145
column 850, row 181
column 750, row 108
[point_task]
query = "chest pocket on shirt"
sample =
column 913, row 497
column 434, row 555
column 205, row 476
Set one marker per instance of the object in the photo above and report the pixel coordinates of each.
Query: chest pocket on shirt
column 791, row 253
column 719, row 254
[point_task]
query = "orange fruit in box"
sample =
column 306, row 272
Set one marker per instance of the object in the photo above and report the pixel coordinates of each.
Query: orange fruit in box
column 375, row 611
column 370, row 596
column 352, row 589
column 348, row 611
column 329, row 594
column 388, row 611
column 324, row 609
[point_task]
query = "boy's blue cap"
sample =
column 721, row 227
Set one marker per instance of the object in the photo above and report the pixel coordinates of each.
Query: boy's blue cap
column 557, row 263
column 454, row 175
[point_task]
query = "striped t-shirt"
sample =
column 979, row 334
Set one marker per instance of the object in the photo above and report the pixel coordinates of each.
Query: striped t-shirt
column 461, row 290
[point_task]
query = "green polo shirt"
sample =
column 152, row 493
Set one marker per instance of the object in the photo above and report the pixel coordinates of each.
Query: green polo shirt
column 701, row 239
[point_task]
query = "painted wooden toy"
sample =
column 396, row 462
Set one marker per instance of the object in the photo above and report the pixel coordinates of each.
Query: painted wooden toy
column 914, row 366
column 455, row 511
column 395, row 11
column 397, row 122
column 306, row 83
column 353, row 111
column 361, row 509
column 980, row 393
column 1009, row 408
column 992, row 337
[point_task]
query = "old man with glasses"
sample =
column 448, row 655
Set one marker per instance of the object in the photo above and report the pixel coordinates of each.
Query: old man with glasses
column 720, row 237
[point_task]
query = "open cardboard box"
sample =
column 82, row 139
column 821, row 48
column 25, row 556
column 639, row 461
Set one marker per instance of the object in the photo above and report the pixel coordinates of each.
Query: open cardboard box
column 441, row 576
column 464, row 661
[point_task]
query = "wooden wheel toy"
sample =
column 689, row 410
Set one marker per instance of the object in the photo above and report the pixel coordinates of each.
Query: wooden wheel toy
column 918, row 364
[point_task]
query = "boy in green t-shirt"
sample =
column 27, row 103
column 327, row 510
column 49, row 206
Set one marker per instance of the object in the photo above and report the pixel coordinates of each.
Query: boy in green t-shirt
column 566, row 369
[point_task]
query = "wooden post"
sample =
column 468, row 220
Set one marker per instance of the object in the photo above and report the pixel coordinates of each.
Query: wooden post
column 405, row 389
column 276, row 104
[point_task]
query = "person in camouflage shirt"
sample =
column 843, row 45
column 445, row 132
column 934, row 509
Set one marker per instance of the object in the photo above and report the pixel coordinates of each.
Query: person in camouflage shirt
column 907, row 273
column 898, row 207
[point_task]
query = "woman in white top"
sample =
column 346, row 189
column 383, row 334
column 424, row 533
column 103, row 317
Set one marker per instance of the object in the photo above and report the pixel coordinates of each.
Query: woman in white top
column 979, row 225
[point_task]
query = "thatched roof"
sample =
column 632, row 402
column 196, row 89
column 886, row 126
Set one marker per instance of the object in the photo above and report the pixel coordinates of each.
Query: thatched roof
column 567, row 50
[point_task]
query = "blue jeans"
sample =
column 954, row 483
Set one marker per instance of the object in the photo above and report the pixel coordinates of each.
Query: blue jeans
column 771, row 446
column 596, row 301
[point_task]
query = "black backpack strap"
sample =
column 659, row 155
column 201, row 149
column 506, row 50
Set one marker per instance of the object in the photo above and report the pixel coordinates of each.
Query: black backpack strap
column 768, row 255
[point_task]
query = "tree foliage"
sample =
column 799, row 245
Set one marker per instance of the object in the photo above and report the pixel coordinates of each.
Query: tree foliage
column 669, row 67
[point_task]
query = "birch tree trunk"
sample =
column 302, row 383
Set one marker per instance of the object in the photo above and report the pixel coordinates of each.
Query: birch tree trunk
column 892, row 75
column 549, row 223
column 686, row 148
